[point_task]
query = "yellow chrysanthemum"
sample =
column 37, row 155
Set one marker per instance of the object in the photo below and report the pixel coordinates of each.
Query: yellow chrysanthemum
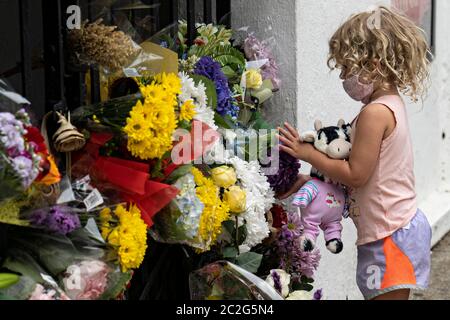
column 151, row 123
column 137, row 128
column 128, row 236
column 152, row 91
column 105, row 215
column 187, row 111
column 169, row 81
column 214, row 213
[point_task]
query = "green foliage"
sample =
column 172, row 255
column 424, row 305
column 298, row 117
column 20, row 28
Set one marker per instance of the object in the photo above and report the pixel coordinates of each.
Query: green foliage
column 211, row 91
column 178, row 173
column 249, row 261
column 229, row 56
column 8, row 279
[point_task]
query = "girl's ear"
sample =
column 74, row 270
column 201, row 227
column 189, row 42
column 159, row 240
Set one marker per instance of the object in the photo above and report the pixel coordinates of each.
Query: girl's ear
column 309, row 136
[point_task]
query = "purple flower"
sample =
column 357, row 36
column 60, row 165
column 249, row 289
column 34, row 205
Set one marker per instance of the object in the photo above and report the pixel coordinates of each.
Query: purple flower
column 6, row 118
column 11, row 132
column 287, row 173
column 23, row 166
column 306, row 263
column 292, row 229
column 318, row 295
column 277, row 281
column 257, row 50
column 57, row 219
column 292, row 258
column 38, row 217
column 211, row 69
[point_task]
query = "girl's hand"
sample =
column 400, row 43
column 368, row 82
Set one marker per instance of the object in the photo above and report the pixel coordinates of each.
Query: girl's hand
column 293, row 144
column 301, row 180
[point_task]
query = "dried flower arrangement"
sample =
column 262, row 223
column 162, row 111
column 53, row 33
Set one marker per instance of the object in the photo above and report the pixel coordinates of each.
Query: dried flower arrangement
column 96, row 42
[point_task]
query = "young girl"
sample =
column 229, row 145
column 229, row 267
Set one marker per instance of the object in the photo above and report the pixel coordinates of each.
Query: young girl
column 376, row 63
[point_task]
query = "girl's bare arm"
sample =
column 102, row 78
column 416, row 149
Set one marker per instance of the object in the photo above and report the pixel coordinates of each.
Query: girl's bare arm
column 373, row 123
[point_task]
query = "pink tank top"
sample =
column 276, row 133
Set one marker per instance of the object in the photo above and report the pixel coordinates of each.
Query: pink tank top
column 388, row 200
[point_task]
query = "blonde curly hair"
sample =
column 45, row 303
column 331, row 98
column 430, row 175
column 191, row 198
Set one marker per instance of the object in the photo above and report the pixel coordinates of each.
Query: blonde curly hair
column 390, row 51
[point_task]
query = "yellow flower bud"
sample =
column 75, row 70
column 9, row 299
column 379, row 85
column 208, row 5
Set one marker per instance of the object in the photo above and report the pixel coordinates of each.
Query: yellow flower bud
column 224, row 176
column 114, row 237
column 253, row 79
column 105, row 215
column 236, row 199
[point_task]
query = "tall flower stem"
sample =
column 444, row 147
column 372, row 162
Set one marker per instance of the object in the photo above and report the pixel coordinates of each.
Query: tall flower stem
column 237, row 235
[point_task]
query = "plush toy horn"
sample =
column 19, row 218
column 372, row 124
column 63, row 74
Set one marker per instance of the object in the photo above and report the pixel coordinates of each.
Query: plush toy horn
column 67, row 138
column 318, row 125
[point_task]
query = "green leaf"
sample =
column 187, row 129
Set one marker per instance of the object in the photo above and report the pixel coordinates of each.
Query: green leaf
column 8, row 279
column 242, row 234
column 117, row 282
column 229, row 72
column 230, row 56
column 230, row 253
column 250, row 261
column 228, row 226
column 178, row 173
column 259, row 122
column 224, row 121
column 156, row 170
column 211, row 90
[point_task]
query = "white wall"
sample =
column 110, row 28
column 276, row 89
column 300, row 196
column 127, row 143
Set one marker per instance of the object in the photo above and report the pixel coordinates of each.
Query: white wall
column 274, row 21
column 302, row 29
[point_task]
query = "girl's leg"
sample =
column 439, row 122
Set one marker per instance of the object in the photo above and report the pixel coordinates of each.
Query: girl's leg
column 402, row 294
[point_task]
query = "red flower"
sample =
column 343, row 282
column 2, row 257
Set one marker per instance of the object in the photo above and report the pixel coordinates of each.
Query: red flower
column 34, row 135
column 279, row 216
column 199, row 42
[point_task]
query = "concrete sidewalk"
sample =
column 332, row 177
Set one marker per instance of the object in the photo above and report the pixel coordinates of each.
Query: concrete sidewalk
column 439, row 288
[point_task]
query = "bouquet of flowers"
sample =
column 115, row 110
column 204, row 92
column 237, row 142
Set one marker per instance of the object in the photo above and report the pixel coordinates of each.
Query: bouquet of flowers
column 20, row 163
column 31, row 281
column 26, row 166
column 78, row 267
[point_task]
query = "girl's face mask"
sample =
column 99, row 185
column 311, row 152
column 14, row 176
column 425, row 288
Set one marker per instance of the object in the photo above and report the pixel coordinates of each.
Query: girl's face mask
column 357, row 90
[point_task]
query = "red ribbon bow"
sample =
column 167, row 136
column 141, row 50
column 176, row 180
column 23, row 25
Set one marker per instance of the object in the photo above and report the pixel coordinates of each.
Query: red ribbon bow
column 132, row 178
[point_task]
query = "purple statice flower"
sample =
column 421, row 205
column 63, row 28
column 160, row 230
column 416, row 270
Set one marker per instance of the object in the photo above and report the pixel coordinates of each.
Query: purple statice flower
column 24, row 169
column 286, row 175
column 318, row 295
column 277, row 282
column 258, row 50
column 292, row 258
column 6, row 118
column 11, row 133
column 57, row 219
column 211, row 69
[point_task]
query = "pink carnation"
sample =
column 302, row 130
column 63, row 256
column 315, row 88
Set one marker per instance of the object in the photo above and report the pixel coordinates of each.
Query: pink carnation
column 86, row 280
column 40, row 293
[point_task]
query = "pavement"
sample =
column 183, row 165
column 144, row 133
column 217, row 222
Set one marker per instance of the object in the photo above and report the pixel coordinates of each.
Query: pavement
column 439, row 288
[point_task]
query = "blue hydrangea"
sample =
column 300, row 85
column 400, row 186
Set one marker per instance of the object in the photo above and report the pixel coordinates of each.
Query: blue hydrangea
column 212, row 70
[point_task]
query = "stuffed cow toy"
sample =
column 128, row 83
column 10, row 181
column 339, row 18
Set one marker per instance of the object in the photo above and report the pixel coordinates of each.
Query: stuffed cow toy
column 321, row 201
